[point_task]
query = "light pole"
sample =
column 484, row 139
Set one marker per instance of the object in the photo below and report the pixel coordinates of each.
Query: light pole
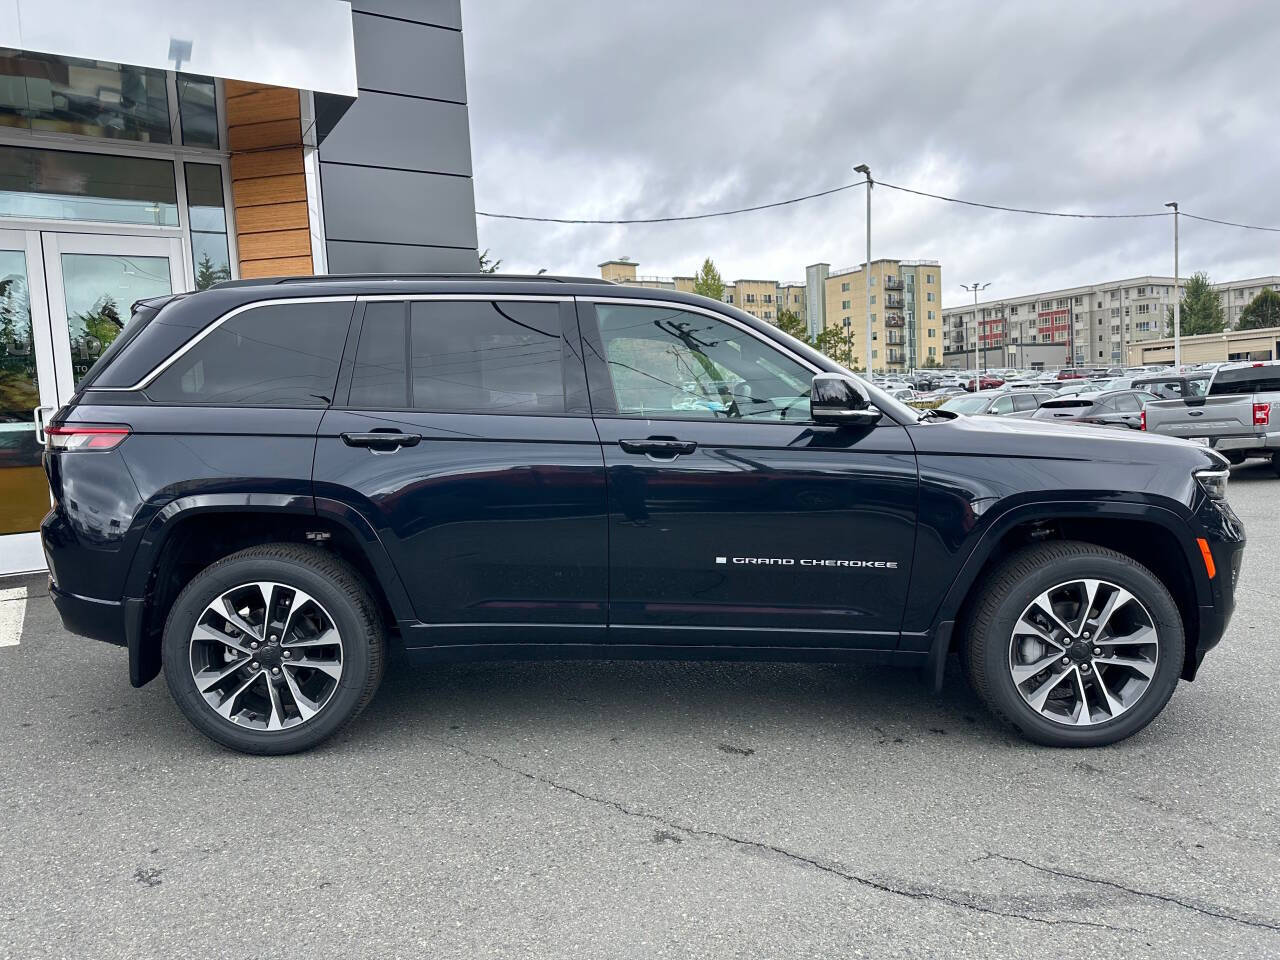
column 865, row 170
column 975, row 287
column 1177, row 297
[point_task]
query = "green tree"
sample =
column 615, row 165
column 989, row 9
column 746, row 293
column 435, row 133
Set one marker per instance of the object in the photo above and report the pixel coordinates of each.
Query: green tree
column 207, row 274
column 1201, row 312
column 931, row 363
column 1262, row 311
column 708, row 282
column 487, row 265
column 789, row 322
column 834, row 343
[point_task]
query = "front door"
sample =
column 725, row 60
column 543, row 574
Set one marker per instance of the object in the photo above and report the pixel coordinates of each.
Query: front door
column 63, row 299
column 733, row 517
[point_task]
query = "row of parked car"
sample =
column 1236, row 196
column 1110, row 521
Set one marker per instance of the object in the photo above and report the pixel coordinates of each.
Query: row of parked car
column 1227, row 407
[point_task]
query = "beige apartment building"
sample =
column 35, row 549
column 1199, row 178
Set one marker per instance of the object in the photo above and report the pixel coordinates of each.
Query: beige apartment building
column 905, row 305
column 1262, row 344
column 792, row 296
column 757, row 297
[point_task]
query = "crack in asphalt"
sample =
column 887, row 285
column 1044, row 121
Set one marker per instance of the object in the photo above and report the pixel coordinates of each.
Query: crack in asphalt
column 1217, row 913
column 780, row 851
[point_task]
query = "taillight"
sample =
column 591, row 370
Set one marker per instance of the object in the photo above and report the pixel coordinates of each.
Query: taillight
column 1261, row 414
column 1144, row 420
column 70, row 436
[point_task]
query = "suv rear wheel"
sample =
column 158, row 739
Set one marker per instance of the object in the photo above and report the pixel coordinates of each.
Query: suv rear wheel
column 1074, row 645
column 274, row 649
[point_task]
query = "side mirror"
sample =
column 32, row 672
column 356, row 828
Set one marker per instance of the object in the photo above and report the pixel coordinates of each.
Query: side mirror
column 836, row 399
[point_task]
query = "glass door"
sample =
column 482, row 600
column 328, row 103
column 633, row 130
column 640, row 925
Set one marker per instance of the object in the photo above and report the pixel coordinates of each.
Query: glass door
column 26, row 384
column 94, row 280
column 63, row 298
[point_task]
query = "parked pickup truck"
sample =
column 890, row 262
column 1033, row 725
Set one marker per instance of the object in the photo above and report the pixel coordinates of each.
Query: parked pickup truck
column 1239, row 416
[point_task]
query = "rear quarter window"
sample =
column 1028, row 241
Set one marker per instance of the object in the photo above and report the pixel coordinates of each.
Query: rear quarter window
column 282, row 355
column 1245, row 380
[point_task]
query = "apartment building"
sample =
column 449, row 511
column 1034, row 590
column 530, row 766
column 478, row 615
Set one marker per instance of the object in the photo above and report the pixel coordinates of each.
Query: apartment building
column 757, row 297
column 905, row 306
column 791, row 296
column 1092, row 325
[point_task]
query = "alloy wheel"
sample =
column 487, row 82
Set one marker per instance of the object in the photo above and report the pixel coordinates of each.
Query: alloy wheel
column 266, row 656
column 1083, row 652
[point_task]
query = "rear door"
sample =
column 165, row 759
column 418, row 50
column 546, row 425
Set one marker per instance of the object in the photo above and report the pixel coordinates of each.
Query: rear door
column 733, row 518
column 463, row 437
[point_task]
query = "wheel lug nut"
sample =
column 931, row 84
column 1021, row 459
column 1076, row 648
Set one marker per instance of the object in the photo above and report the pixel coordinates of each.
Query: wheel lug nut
column 288, row 654
column 1097, row 651
column 254, row 645
column 256, row 665
column 1084, row 668
column 272, row 637
column 275, row 669
column 1085, row 634
column 1066, row 659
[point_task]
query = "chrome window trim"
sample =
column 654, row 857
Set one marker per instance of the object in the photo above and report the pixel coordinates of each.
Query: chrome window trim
column 638, row 302
column 234, row 312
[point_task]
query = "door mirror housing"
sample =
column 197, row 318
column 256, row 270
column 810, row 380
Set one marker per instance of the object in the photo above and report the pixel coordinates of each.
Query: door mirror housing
column 836, row 399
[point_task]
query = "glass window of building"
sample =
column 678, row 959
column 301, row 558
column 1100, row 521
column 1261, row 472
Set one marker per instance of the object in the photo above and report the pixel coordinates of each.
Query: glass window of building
column 198, row 111
column 208, row 216
column 69, row 185
column 89, row 98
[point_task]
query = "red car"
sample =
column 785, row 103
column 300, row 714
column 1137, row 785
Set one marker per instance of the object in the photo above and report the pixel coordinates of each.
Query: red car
column 1070, row 374
column 985, row 382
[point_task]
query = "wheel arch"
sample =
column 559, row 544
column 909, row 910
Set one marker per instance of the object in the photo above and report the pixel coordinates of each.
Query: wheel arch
column 193, row 532
column 1153, row 536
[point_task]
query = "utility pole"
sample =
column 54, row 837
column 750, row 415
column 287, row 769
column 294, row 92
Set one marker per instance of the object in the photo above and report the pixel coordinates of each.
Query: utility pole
column 865, row 170
column 977, row 327
column 1177, row 296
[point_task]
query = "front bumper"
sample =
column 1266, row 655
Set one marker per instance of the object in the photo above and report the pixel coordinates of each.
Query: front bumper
column 1224, row 532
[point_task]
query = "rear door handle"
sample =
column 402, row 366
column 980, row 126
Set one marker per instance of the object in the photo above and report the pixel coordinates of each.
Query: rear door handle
column 381, row 440
column 667, row 448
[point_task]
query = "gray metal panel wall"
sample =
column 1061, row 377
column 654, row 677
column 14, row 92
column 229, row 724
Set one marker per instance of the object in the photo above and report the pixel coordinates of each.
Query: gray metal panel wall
column 396, row 169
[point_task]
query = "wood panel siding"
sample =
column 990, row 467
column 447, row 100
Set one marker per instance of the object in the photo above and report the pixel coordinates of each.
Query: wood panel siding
column 268, row 189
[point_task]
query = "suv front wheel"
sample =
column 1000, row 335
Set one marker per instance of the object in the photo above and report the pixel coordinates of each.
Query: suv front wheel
column 1074, row 645
column 274, row 649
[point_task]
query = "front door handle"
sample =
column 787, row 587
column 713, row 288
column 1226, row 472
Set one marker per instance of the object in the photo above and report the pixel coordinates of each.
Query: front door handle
column 382, row 440
column 666, row 448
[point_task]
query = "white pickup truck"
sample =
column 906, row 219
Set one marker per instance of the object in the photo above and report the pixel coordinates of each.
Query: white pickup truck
column 1239, row 416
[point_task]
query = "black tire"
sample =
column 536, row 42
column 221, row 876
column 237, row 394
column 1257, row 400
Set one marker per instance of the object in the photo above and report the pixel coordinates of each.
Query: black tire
column 1013, row 585
column 1275, row 463
column 343, row 594
column 1234, row 457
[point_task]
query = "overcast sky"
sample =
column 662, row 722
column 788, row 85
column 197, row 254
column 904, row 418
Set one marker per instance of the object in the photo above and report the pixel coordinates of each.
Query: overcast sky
column 620, row 109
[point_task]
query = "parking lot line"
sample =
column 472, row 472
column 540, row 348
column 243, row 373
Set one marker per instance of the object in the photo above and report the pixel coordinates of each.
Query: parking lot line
column 13, row 609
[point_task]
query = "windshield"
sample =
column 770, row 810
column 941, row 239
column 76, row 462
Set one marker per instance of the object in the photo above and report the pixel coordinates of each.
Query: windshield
column 966, row 404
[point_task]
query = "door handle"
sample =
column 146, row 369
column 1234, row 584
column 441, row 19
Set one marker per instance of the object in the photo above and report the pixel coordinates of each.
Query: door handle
column 38, row 415
column 382, row 440
column 665, row 448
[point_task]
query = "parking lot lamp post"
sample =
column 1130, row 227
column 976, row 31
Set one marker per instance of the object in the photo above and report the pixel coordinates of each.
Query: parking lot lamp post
column 865, row 170
column 1177, row 298
column 977, row 327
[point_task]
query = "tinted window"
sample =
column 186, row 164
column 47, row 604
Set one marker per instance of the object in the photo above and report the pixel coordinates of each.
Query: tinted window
column 486, row 357
column 1246, row 380
column 380, row 380
column 1002, row 405
column 1025, row 401
column 1127, row 403
column 669, row 362
column 276, row 355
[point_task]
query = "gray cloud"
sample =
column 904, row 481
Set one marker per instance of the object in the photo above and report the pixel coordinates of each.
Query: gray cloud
column 653, row 108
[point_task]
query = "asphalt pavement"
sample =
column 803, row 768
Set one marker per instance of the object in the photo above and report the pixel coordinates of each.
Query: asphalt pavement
column 642, row 810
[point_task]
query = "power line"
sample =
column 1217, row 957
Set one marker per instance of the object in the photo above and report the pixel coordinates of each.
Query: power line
column 1038, row 213
column 1228, row 223
column 696, row 216
column 858, row 183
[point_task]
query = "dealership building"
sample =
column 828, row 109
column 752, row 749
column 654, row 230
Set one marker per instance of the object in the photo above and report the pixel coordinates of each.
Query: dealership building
column 151, row 146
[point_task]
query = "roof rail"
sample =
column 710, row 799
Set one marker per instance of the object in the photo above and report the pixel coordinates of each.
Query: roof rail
column 344, row 277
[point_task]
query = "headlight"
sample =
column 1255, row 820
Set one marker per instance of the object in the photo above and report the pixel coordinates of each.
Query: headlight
column 1213, row 483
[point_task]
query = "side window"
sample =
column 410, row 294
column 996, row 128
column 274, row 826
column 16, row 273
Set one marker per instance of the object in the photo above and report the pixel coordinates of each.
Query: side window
column 499, row 356
column 1002, row 405
column 1127, row 403
column 380, row 378
column 274, row 355
column 1025, row 401
column 664, row 361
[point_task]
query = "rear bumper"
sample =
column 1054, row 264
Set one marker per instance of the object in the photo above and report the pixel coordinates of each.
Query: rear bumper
column 96, row 619
column 1262, row 441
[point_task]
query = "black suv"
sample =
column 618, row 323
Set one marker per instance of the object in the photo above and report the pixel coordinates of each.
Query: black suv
column 259, row 486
